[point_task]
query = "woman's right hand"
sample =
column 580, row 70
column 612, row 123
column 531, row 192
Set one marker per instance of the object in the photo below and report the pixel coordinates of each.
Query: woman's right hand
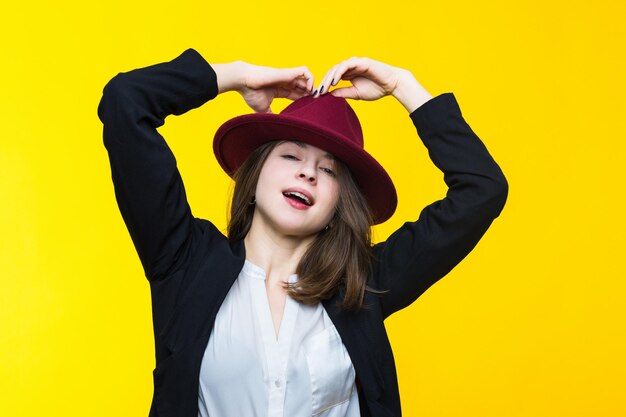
column 260, row 85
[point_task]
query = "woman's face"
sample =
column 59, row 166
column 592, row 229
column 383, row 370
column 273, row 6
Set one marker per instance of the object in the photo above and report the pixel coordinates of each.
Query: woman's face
column 297, row 190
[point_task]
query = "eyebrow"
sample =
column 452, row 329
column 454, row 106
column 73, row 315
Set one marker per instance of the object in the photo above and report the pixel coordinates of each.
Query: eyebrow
column 304, row 145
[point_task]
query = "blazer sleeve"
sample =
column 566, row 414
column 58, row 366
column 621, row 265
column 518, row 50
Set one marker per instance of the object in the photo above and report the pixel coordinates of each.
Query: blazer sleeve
column 148, row 186
column 420, row 253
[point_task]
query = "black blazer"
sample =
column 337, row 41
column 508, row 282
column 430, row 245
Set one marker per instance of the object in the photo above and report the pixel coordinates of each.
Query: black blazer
column 190, row 264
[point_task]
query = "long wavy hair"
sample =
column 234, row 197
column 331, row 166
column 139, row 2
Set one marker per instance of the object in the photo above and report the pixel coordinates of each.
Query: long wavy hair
column 339, row 256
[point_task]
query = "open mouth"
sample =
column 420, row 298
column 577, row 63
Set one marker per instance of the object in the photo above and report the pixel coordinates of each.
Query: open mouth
column 297, row 196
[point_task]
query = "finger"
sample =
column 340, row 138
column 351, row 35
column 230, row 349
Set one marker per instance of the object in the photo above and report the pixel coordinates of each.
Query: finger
column 328, row 78
column 324, row 85
column 335, row 75
column 346, row 92
column 294, row 95
column 347, row 70
column 304, row 74
column 353, row 67
column 266, row 109
column 291, row 93
column 287, row 75
column 306, row 91
column 300, row 84
column 334, row 80
column 301, row 91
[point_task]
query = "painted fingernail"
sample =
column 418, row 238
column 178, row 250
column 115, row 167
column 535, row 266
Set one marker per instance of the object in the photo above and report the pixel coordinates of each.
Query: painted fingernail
column 315, row 93
column 322, row 90
column 332, row 82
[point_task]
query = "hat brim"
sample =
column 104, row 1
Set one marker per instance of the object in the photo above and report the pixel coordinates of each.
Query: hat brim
column 237, row 138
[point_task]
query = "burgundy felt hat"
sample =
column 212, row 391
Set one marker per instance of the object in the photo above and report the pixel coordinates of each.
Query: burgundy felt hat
column 327, row 122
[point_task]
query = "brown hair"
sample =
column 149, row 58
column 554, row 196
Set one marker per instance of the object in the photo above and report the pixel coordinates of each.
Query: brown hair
column 339, row 256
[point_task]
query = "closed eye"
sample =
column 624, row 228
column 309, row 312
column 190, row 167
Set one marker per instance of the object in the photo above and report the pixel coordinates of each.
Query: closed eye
column 290, row 157
column 328, row 171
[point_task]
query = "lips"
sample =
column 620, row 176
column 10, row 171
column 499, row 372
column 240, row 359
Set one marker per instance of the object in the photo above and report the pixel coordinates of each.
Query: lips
column 299, row 195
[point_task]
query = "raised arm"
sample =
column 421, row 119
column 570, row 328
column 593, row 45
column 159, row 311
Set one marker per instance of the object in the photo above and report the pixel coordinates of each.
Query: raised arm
column 421, row 252
column 148, row 186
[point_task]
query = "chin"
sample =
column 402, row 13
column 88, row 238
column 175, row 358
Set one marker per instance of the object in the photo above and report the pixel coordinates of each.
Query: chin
column 289, row 224
column 297, row 232
column 297, row 229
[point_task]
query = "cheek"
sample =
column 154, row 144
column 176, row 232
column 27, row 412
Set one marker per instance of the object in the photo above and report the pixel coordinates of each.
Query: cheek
column 333, row 197
column 265, row 179
column 261, row 192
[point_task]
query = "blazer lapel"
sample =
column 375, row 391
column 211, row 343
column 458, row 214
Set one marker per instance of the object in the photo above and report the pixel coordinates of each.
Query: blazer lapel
column 204, row 296
column 352, row 328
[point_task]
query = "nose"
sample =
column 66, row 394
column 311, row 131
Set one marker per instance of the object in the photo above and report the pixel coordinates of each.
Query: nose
column 307, row 174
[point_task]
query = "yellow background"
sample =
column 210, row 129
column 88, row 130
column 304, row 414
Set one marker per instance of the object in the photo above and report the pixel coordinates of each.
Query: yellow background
column 531, row 323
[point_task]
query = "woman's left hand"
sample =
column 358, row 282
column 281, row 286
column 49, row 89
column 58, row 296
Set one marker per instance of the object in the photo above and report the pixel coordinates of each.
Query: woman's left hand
column 372, row 80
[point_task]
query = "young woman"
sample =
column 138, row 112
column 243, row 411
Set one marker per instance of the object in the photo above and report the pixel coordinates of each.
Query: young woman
column 284, row 315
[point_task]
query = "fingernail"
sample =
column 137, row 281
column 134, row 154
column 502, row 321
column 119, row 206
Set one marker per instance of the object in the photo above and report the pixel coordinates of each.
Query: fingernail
column 332, row 82
column 322, row 90
column 315, row 93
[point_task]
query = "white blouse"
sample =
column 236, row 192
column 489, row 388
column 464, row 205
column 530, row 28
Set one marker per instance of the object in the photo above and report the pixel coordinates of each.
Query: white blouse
column 247, row 371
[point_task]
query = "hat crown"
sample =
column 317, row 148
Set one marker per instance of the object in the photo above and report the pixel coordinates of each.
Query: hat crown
column 326, row 122
column 333, row 113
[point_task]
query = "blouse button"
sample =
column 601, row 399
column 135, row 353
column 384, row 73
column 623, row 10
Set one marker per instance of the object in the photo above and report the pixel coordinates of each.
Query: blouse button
column 277, row 383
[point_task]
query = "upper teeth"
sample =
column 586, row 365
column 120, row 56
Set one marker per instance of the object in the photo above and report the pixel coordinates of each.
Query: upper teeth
column 299, row 195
